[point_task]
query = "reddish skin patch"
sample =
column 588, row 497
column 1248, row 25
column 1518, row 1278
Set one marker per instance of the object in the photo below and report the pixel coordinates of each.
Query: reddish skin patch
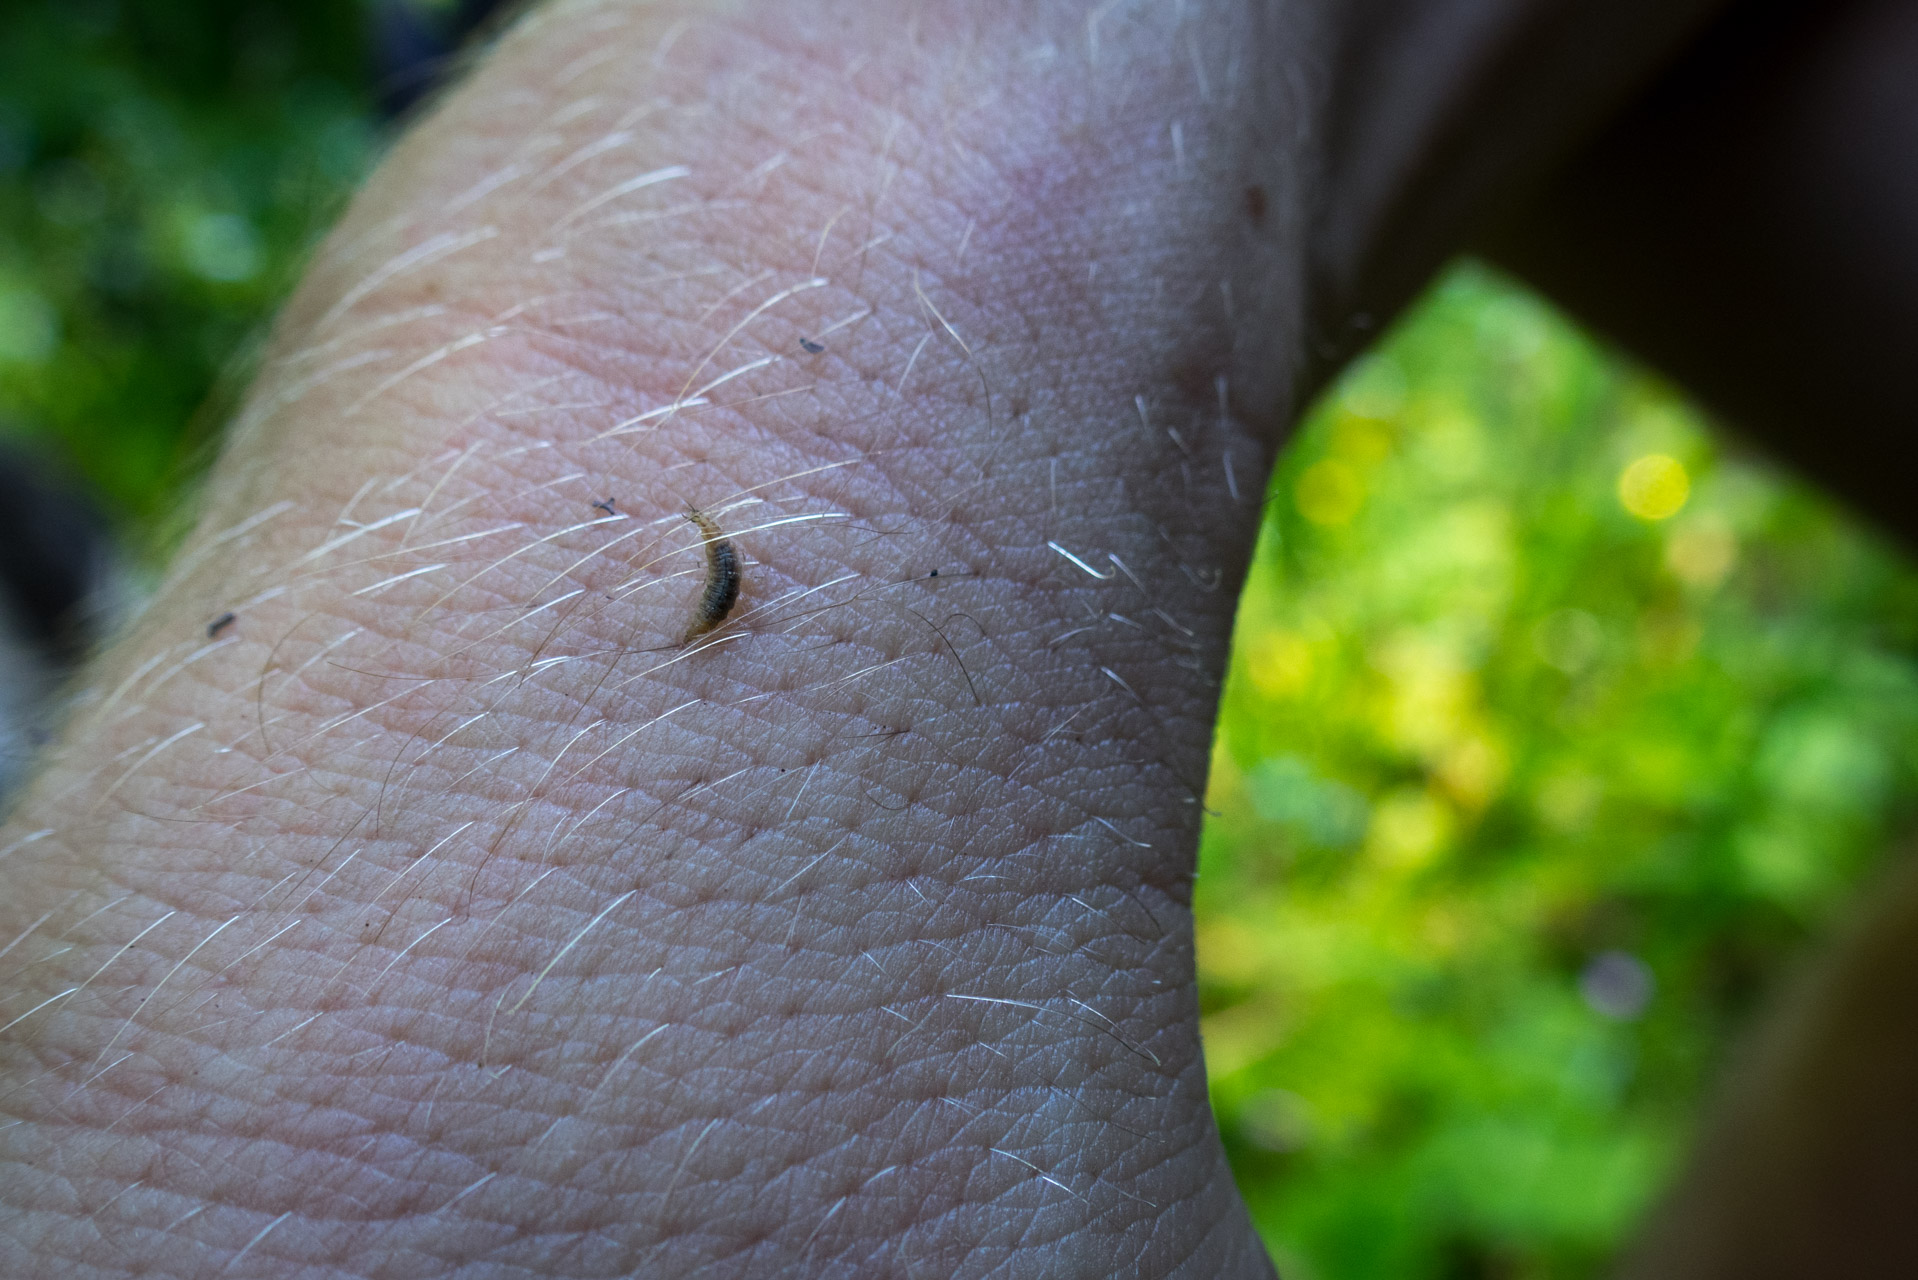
column 1255, row 205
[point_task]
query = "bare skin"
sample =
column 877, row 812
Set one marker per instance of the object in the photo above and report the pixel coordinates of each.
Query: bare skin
column 462, row 907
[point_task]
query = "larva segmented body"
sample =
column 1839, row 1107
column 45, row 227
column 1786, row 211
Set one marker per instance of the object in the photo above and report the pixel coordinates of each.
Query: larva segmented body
column 722, row 577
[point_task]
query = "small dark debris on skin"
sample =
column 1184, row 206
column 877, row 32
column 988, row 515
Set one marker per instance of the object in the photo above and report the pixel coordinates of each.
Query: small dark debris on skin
column 219, row 624
column 933, row 574
column 606, row 505
column 811, row 348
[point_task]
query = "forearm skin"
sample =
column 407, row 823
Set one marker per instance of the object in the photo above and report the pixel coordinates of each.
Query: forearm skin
column 451, row 912
column 447, row 912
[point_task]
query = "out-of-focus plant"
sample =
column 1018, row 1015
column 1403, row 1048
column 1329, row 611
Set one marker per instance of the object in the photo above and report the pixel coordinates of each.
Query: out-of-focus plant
column 1553, row 729
column 164, row 164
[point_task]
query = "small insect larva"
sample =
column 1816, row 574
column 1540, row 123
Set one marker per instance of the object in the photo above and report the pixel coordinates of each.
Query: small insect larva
column 722, row 576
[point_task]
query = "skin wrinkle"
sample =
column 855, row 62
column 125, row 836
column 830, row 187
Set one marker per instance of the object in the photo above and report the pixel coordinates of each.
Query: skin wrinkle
column 509, row 853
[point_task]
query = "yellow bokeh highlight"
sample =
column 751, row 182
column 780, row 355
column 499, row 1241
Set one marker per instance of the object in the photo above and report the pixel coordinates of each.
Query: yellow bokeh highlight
column 1654, row 487
column 1329, row 492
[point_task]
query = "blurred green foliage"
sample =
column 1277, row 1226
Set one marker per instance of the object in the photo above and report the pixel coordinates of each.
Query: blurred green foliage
column 164, row 166
column 1553, row 730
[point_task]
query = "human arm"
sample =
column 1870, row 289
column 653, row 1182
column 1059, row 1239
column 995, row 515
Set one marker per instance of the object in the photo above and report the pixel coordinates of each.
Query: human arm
column 448, row 910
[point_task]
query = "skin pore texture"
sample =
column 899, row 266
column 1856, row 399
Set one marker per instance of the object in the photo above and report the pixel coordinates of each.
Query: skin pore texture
column 463, row 907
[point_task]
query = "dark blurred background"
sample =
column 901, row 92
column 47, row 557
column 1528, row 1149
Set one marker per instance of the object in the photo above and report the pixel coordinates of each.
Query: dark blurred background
column 1558, row 723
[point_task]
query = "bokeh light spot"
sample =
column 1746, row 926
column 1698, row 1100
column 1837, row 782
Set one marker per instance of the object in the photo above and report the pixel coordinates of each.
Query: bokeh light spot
column 1617, row 985
column 1569, row 639
column 1702, row 552
column 222, row 247
column 29, row 329
column 1654, row 487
